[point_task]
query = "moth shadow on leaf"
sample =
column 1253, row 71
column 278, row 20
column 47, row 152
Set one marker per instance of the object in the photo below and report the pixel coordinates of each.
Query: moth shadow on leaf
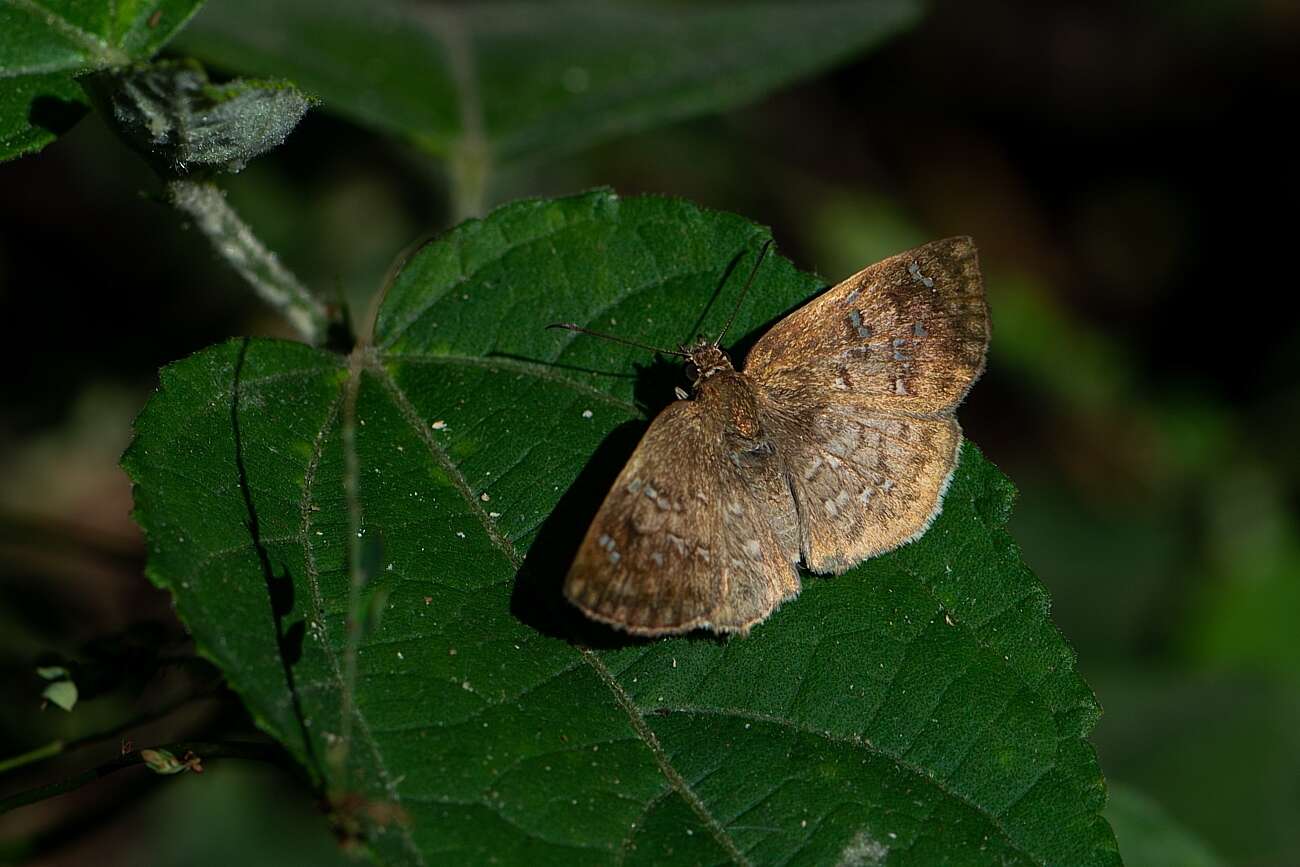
column 653, row 391
column 538, row 596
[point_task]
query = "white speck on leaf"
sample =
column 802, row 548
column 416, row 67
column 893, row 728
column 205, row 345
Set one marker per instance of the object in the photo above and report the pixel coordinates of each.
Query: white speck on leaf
column 586, row 413
column 439, row 425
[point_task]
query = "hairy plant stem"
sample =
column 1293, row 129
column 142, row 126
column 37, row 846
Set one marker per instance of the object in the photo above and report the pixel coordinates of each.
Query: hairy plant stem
column 205, row 750
column 234, row 241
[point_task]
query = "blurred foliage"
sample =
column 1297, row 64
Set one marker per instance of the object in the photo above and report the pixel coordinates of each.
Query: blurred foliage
column 486, row 83
column 1110, row 161
column 231, row 812
column 1148, row 837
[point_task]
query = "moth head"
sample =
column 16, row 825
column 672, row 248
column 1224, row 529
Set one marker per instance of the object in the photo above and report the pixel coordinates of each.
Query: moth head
column 703, row 360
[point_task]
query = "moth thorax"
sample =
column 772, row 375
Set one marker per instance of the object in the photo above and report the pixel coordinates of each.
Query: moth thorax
column 704, row 360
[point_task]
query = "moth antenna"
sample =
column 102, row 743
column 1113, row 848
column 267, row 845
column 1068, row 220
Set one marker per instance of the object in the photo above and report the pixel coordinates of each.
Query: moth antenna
column 570, row 326
column 743, row 292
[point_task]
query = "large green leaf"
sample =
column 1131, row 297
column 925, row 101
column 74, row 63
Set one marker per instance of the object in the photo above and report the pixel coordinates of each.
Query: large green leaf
column 920, row 708
column 46, row 44
column 506, row 80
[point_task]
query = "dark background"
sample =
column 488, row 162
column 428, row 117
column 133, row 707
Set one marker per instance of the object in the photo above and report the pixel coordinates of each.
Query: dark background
column 1129, row 172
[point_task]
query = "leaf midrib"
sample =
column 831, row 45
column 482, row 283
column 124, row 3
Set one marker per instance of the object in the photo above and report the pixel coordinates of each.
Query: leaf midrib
column 318, row 601
column 98, row 48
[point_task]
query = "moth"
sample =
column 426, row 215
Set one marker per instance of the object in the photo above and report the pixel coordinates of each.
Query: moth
column 835, row 443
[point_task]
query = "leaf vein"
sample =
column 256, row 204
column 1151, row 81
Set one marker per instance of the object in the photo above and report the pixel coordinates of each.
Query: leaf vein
column 866, row 746
column 91, row 43
column 537, row 370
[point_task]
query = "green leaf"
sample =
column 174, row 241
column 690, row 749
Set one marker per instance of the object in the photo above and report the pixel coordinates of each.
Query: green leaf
column 61, row 690
column 162, row 762
column 920, row 707
column 500, row 81
column 62, row 693
column 1150, row 837
column 178, row 120
column 47, row 44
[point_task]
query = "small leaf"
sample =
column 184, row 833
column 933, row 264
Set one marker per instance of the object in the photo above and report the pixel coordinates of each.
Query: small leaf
column 181, row 122
column 47, row 44
column 162, row 761
column 921, row 705
column 503, row 81
column 62, row 693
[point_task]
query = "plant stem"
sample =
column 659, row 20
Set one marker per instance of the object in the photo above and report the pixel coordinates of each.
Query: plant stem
column 468, row 169
column 53, row 748
column 257, row 751
column 470, row 163
column 235, row 242
column 59, row 747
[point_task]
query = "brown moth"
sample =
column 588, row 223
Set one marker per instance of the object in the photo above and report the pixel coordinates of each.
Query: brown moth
column 834, row 444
